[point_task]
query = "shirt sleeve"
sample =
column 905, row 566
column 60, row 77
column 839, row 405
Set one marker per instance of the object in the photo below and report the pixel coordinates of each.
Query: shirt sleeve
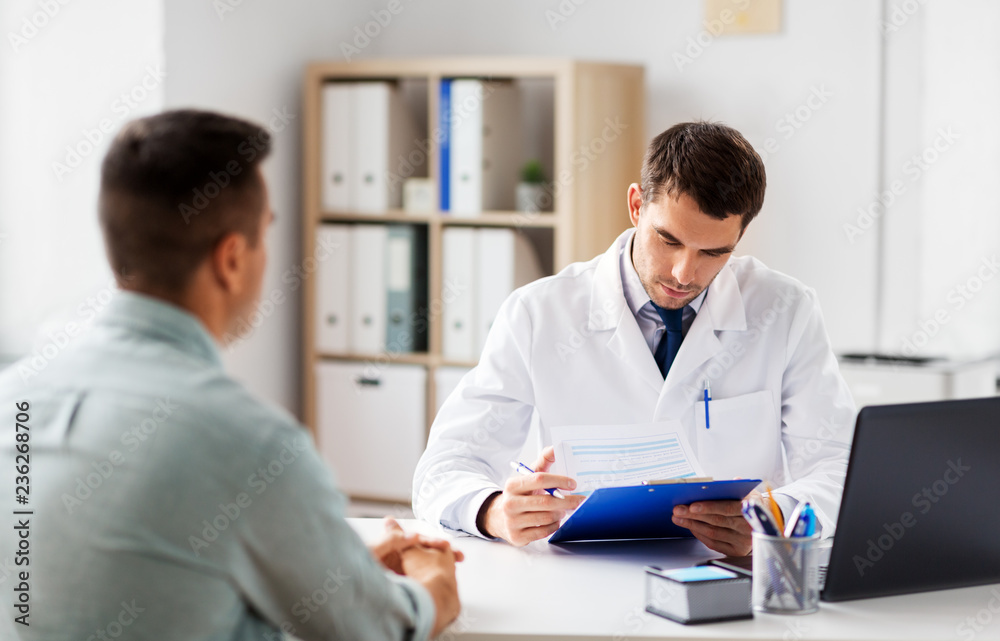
column 817, row 415
column 480, row 428
column 303, row 568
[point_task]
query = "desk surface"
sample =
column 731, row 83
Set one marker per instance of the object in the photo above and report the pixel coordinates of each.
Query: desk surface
column 596, row 591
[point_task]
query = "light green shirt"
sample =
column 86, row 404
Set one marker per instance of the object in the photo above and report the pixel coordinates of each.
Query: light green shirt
column 169, row 503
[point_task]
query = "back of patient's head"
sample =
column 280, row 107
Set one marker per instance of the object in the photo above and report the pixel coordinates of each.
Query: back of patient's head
column 172, row 186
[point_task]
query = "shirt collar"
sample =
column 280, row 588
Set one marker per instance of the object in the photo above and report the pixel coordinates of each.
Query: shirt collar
column 156, row 319
column 635, row 293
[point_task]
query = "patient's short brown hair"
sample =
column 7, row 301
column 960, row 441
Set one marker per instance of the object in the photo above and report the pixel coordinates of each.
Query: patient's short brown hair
column 172, row 186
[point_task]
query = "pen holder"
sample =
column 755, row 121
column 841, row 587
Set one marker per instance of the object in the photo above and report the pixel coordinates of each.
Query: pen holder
column 785, row 574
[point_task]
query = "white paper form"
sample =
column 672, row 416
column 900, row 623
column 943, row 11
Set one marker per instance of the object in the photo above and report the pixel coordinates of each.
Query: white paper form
column 616, row 455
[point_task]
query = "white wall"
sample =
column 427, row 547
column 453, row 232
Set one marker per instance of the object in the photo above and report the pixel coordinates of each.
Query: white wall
column 62, row 75
column 942, row 235
column 820, row 169
column 941, row 67
column 249, row 62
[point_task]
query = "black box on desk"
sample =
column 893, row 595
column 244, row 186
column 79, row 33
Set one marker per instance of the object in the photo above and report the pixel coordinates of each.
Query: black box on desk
column 701, row 594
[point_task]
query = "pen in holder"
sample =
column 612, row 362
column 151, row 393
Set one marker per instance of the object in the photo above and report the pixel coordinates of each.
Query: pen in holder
column 785, row 579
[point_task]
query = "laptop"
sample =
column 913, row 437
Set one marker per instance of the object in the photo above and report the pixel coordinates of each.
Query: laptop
column 921, row 504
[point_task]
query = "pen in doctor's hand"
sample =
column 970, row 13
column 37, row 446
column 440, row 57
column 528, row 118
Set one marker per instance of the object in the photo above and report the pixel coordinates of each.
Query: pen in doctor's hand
column 707, row 396
column 521, row 468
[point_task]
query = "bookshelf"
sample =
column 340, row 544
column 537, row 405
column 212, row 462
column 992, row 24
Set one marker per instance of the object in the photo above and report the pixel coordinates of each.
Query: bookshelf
column 586, row 122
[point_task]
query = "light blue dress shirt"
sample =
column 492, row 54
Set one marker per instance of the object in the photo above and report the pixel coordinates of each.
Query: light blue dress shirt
column 169, row 503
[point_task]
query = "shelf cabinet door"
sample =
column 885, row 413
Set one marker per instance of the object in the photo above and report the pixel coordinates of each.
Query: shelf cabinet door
column 371, row 426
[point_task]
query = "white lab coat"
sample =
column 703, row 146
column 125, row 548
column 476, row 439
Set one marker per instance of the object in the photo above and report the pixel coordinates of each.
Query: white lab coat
column 567, row 349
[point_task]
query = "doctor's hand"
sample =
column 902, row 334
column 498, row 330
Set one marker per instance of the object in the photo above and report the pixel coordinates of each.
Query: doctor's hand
column 718, row 524
column 525, row 512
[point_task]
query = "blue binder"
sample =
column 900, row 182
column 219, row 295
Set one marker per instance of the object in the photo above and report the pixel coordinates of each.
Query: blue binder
column 642, row 511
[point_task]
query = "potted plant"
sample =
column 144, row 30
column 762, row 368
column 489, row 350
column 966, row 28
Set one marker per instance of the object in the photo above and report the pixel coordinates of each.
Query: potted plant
column 530, row 195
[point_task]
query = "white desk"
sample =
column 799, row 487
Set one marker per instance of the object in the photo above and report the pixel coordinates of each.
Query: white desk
column 549, row 592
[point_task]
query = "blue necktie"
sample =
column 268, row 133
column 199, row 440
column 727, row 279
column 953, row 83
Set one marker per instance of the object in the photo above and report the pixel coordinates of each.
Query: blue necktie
column 670, row 342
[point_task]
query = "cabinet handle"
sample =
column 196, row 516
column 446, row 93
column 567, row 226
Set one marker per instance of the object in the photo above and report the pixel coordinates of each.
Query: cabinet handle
column 367, row 382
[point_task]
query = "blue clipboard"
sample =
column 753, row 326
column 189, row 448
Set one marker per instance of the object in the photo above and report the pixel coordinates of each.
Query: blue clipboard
column 642, row 511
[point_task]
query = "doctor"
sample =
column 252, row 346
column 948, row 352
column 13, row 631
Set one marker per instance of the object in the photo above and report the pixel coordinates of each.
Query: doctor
column 631, row 337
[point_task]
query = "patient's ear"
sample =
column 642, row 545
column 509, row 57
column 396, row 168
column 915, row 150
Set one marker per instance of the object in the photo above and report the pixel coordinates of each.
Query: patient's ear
column 229, row 262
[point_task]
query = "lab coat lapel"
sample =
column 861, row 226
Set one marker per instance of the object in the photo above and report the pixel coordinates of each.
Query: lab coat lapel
column 609, row 311
column 722, row 310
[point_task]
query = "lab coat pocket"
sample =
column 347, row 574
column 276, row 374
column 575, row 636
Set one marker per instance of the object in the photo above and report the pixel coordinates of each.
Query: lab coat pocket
column 742, row 438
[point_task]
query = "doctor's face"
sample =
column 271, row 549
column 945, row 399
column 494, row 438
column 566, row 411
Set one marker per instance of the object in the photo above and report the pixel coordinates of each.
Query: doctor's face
column 678, row 250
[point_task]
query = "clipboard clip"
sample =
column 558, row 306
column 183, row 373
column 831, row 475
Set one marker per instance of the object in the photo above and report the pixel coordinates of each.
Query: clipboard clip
column 690, row 479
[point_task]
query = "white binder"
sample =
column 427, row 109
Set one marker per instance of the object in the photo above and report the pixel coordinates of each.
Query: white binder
column 384, row 135
column 336, row 147
column 485, row 146
column 333, row 288
column 506, row 260
column 368, row 294
column 458, row 295
column 371, row 426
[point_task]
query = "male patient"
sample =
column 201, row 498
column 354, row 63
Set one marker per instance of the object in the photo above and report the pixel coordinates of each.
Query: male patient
column 168, row 502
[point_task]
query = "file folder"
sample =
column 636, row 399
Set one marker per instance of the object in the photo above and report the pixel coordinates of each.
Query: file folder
column 333, row 288
column 368, row 296
column 406, row 288
column 459, row 297
column 485, row 146
column 336, row 147
column 642, row 511
column 384, row 134
column 444, row 148
column 506, row 260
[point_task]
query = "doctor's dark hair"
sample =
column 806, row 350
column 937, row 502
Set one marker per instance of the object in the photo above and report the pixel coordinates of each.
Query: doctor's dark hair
column 172, row 186
column 710, row 162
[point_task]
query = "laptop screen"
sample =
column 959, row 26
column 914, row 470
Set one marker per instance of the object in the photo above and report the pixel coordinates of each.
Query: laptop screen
column 921, row 504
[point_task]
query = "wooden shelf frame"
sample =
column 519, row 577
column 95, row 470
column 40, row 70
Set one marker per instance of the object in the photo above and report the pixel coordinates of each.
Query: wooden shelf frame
column 599, row 140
